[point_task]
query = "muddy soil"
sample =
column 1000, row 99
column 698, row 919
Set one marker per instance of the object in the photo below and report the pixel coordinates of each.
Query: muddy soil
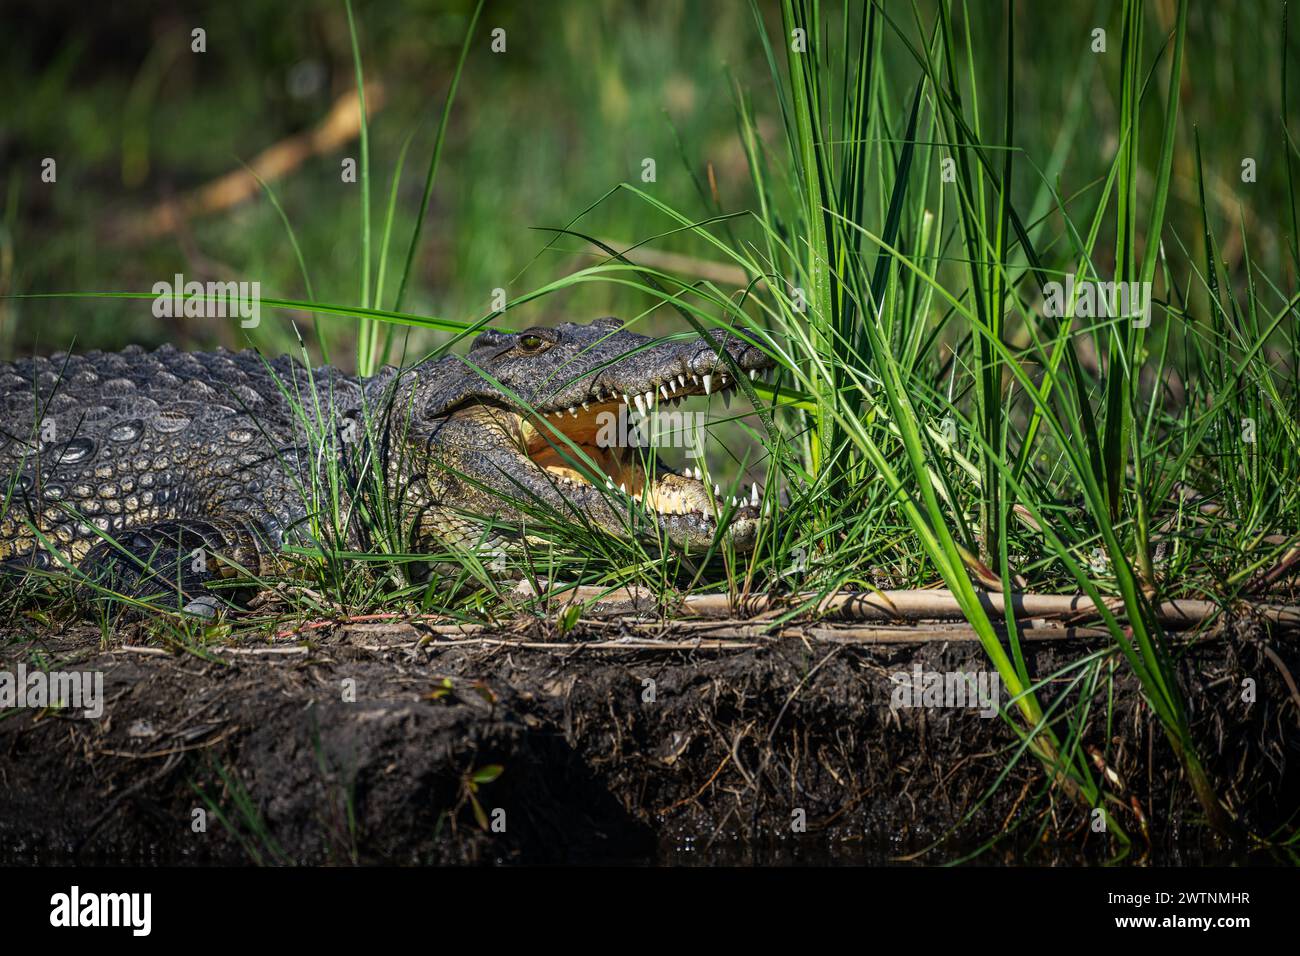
column 404, row 743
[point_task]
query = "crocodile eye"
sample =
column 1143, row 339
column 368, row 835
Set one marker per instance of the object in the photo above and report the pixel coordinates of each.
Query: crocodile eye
column 531, row 343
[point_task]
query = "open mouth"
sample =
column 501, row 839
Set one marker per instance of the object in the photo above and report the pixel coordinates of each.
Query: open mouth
column 624, row 463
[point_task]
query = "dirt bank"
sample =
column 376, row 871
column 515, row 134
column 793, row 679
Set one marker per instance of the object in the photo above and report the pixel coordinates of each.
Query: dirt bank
column 396, row 743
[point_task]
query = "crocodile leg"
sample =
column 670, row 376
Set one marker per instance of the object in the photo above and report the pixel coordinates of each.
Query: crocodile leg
column 176, row 563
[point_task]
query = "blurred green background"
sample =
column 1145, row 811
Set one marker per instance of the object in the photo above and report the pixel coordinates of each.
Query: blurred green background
column 584, row 92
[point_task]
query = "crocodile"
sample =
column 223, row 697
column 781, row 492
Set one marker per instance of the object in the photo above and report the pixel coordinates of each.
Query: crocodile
column 166, row 470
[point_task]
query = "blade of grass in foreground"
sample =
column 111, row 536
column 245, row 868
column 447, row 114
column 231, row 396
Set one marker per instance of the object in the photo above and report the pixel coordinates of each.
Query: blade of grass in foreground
column 432, row 171
column 367, row 332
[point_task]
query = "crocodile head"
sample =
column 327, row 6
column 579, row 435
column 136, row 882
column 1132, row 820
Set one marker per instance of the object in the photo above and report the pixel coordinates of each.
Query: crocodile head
column 547, row 415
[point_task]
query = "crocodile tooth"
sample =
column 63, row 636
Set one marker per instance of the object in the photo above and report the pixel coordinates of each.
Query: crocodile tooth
column 753, row 374
column 626, row 398
column 664, row 392
column 753, row 494
column 584, row 406
column 717, row 491
column 708, row 384
column 573, row 411
column 767, row 508
column 609, row 482
column 681, row 381
column 623, row 487
column 640, row 404
column 649, row 399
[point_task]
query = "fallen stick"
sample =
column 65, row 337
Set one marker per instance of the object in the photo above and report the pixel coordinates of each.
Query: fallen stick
column 923, row 635
column 137, row 649
column 940, row 604
column 259, row 651
column 919, row 605
column 340, row 126
column 215, row 649
column 395, row 618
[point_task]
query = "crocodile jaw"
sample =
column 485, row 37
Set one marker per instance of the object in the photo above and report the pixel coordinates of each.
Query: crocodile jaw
column 572, row 446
